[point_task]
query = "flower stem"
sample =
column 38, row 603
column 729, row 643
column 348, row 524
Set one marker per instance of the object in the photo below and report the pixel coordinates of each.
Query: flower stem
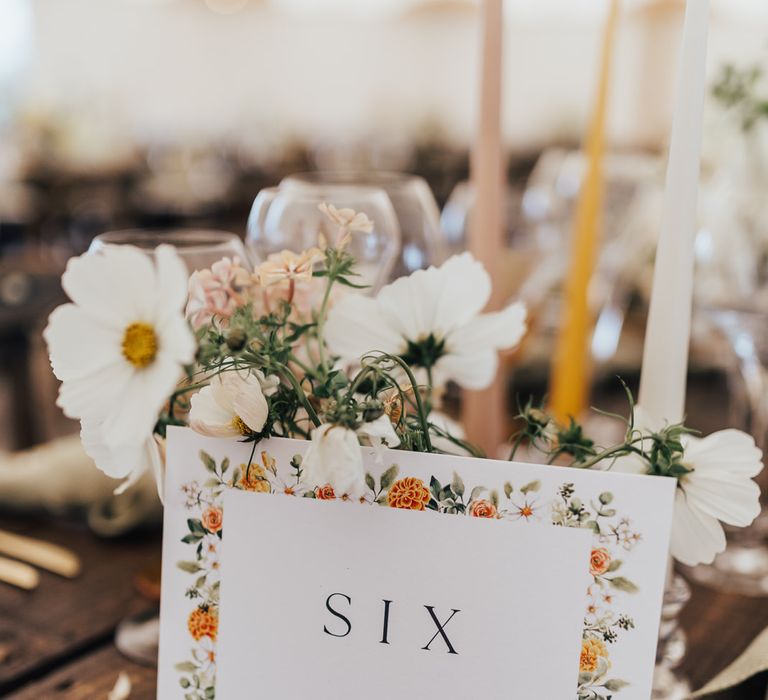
column 291, row 377
column 321, row 324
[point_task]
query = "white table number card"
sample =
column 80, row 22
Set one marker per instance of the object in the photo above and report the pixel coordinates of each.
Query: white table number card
column 548, row 584
column 403, row 605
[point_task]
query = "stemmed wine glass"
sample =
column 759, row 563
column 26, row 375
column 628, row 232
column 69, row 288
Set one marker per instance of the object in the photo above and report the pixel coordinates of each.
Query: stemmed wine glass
column 198, row 248
column 743, row 566
column 137, row 636
column 421, row 241
column 289, row 217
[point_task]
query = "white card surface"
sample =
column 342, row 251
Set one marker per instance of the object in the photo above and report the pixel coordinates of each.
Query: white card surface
column 476, row 608
column 628, row 518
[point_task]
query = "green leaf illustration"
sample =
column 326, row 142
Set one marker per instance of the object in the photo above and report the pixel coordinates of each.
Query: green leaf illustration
column 435, row 487
column 508, row 489
column 196, row 526
column 475, row 494
column 457, row 485
column 208, row 461
column 623, row 584
column 615, row 684
column 369, row 482
column 533, row 486
column 389, row 476
column 189, row 566
column 186, row 667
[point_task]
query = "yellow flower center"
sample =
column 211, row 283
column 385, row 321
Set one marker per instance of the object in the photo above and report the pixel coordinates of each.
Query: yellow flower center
column 140, row 344
column 239, row 425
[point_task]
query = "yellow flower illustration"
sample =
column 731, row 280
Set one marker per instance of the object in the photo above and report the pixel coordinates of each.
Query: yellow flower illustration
column 408, row 493
column 592, row 650
column 203, row 622
column 253, row 479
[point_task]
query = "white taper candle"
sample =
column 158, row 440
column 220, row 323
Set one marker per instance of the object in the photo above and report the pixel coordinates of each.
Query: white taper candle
column 665, row 355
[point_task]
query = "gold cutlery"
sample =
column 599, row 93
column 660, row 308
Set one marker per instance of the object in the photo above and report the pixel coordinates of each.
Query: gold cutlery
column 44, row 555
column 17, row 574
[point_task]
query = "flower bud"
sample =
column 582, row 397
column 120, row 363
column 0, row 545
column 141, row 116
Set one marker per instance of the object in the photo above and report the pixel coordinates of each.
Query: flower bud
column 236, row 339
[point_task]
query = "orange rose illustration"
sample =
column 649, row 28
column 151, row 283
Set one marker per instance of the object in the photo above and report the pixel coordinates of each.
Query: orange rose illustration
column 599, row 561
column 408, row 493
column 253, row 479
column 592, row 650
column 212, row 519
column 325, row 493
column 203, row 622
column 483, row 509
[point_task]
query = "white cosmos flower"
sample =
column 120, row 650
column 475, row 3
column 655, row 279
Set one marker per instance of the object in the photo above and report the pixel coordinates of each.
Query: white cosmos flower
column 334, row 457
column 128, row 461
column 432, row 318
column 232, row 405
column 120, row 346
column 719, row 488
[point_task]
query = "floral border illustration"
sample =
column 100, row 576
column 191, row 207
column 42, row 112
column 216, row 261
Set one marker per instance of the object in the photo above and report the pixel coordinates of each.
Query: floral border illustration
column 614, row 535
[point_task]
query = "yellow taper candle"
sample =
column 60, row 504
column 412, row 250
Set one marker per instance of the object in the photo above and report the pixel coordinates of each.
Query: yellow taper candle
column 570, row 366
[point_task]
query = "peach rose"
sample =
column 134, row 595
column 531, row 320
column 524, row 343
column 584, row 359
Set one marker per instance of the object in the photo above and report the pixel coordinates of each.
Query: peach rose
column 483, row 509
column 203, row 622
column 212, row 519
column 408, row 493
column 599, row 561
column 325, row 493
column 592, row 650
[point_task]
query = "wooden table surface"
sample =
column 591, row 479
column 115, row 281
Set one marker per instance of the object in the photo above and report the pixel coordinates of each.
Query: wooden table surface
column 56, row 642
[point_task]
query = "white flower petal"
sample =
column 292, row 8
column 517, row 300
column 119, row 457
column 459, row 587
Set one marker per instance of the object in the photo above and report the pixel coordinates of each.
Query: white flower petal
column 436, row 300
column 176, row 342
column 117, row 463
column 731, row 450
column 208, row 417
column 66, row 325
column 251, row 406
column 499, row 330
column 465, row 291
column 629, row 464
column 696, row 537
column 135, row 414
column 172, row 283
column 355, row 327
column 94, row 395
column 334, row 457
column 381, row 431
column 735, row 501
column 117, row 285
column 474, row 371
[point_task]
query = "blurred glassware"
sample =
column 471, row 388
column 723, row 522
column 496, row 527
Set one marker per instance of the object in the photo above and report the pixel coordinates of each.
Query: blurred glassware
column 523, row 251
column 198, row 248
column 743, row 566
column 288, row 217
column 137, row 637
column 415, row 207
column 184, row 182
column 382, row 152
